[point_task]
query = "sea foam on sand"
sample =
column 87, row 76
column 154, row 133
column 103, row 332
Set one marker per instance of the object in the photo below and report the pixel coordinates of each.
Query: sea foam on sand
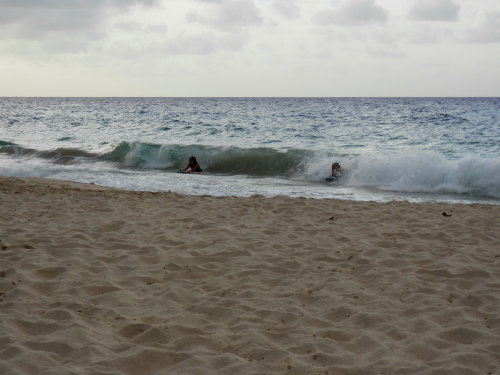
column 102, row 281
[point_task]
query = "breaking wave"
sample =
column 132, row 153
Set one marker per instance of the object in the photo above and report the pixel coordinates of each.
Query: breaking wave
column 409, row 171
column 223, row 160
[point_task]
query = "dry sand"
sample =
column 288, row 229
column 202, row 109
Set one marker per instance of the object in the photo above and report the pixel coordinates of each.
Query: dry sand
column 101, row 281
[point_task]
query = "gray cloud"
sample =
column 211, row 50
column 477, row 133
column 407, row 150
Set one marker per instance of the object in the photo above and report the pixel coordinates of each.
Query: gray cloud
column 434, row 10
column 228, row 23
column 353, row 12
column 48, row 21
column 286, row 8
column 227, row 15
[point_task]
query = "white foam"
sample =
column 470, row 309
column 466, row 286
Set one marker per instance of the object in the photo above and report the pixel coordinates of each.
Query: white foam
column 424, row 171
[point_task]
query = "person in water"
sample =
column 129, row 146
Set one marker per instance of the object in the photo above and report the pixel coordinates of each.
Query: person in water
column 193, row 166
column 336, row 170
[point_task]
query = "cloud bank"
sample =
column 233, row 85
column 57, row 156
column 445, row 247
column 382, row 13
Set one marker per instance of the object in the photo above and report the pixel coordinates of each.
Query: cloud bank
column 250, row 47
column 227, row 15
column 353, row 12
column 435, row 10
column 61, row 24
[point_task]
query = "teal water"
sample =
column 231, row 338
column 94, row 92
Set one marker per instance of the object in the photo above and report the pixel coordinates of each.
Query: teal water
column 417, row 149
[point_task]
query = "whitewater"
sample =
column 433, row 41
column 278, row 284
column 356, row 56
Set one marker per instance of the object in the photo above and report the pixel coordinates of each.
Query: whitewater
column 413, row 149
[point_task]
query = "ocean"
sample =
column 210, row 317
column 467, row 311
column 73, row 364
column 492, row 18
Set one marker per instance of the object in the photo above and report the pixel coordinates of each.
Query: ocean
column 407, row 149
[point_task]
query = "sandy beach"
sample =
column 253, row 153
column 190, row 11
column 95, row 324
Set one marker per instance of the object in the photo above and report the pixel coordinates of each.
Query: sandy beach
column 102, row 281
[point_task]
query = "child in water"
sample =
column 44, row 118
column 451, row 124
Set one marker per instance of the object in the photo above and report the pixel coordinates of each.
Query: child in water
column 336, row 170
column 193, row 166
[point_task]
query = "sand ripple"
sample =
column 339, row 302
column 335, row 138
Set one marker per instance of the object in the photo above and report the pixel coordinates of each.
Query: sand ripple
column 98, row 281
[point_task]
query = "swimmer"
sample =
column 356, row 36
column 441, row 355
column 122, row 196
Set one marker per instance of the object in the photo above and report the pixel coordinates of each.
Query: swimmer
column 336, row 170
column 193, row 166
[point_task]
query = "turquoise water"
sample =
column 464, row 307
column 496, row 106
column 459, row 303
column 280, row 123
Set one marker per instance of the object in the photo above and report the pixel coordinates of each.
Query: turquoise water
column 416, row 149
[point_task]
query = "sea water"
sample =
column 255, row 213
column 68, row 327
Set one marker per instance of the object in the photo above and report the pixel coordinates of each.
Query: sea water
column 414, row 149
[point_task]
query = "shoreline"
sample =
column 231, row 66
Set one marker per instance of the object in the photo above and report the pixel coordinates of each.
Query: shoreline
column 384, row 197
column 97, row 280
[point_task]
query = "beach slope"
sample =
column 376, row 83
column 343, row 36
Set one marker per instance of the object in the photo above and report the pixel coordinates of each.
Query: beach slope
column 102, row 281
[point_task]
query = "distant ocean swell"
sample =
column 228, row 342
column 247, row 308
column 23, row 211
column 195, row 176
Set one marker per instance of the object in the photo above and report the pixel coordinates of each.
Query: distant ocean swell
column 411, row 171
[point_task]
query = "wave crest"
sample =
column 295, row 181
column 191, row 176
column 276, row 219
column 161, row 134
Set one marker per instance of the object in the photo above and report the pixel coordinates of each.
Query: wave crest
column 425, row 172
column 408, row 171
column 224, row 160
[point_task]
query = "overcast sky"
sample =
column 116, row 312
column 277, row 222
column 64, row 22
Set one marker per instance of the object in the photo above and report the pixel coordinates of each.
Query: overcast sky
column 249, row 48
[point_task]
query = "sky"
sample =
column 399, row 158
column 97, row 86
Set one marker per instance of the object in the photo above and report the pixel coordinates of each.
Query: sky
column 287, row 48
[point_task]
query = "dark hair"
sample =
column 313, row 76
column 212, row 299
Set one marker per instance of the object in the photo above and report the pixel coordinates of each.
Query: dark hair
column 193, row 159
